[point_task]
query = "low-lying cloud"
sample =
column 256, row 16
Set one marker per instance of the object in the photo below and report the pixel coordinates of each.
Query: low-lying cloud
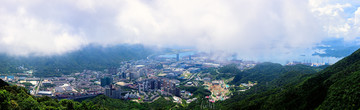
column 275, row 30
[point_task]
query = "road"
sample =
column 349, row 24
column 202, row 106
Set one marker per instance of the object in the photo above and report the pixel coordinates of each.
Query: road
column 37, row 87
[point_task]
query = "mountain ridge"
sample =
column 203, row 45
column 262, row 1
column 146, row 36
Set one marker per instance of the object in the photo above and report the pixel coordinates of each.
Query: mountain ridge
column 335, row 87
column 92, row 57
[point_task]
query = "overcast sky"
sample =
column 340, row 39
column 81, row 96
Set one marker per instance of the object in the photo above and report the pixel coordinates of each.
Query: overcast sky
column 269, row 30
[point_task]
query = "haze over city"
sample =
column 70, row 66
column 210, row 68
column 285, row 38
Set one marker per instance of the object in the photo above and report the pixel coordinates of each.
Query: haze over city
column 179, row 54
column 260, row 30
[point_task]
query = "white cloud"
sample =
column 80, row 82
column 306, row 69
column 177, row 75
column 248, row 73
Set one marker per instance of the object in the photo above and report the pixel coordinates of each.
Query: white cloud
column 253, row 28
column 25, row 35
column 336, row 21
column 262, row 29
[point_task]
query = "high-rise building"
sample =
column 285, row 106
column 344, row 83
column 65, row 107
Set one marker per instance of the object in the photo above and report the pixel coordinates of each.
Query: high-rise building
column 112, row 70
column 158, row 84
column 175, row 91
column 113, row 92
column 146, row 86
column 106, row 81
column 140, row 87
column 177, row 57
column 153, row 84
column 123, row 75
column 134, row 75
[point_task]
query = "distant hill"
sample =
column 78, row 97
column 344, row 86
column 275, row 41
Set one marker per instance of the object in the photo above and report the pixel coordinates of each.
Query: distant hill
column 336, row 87
column 118, row 104
column 280, row 87
column 92, row 57
column 267, row 72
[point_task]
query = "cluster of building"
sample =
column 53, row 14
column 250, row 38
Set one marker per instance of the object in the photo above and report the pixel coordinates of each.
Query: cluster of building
column 219, row 90
column 163, row 86
column 145, row 79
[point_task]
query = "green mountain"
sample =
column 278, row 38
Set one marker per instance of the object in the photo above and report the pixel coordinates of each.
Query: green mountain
column 336, row 87
column 266, row 72
column 279, row 87
column 92, row 57
column 118, row 104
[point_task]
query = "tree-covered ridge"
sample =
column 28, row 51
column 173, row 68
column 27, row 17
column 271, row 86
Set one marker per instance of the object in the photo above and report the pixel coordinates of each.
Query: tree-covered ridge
column 267, row 72
column 118, row 104
column 271, row 78
column 336, row 87
column 91, row 57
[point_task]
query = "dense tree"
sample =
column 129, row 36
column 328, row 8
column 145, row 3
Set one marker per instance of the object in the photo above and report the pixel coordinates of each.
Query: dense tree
column 335, row 87
column 92, row 57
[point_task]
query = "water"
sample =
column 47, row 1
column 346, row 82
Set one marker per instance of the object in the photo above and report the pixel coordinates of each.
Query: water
column 11, row 77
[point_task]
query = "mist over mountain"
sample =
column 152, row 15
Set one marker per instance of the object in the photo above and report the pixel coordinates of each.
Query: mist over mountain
column 261, row 30
column 280, row 87
column 179, row 54
column 335, row 87
column 92, row 57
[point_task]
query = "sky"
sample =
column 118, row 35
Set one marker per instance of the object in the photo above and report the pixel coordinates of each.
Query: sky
column 262, row 30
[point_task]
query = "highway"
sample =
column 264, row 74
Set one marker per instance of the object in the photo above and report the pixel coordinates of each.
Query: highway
column 37, row 87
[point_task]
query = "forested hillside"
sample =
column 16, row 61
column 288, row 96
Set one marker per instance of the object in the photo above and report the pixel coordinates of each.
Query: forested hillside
column 336, row 87
column 267, row 72
column 92, row 57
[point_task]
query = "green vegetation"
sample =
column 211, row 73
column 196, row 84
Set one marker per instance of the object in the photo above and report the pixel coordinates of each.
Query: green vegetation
column 266, row 72
column 27, row 84
column 197, row 91
column 115, row 104
column 225, row 72
column 200, row 104
column 161, row 104
column 269, row 76
column 91, row 57
column 279, row 87
column 336, row 87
